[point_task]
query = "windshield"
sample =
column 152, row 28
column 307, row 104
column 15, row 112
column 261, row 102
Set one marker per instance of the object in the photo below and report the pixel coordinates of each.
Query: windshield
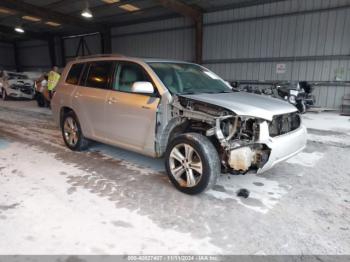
column 182, row 78
column 16, row 76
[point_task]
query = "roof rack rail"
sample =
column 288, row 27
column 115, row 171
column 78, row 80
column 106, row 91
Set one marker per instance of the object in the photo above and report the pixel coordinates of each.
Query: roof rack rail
column 98, row 55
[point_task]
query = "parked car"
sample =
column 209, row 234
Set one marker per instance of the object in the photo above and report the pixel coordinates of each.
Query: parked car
column 176, row 110
column 16, row 85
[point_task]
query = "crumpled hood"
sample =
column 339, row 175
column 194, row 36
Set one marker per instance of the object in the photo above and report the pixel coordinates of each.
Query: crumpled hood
column 246, row 104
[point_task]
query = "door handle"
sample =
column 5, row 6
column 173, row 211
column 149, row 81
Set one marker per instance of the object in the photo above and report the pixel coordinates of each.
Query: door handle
column 77, row 94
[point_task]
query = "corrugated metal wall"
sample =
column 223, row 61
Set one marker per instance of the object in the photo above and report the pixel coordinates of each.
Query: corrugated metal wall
column 172, row 38
column 34, row 55
column 310, row 37
column 7, row 56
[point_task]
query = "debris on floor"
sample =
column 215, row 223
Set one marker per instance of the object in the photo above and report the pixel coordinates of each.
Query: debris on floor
column 243, row 193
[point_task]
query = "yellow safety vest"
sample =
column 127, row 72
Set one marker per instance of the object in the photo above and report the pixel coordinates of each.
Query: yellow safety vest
column 52, row 81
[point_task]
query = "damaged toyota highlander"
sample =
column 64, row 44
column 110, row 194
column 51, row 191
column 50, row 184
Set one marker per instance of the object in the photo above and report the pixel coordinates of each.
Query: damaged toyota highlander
column 176, row 110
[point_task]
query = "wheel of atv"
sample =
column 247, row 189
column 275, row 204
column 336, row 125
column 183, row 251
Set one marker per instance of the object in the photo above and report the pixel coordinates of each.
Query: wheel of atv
column 72, row 133
column 301, row 107
column 192, row 163
column 4, row 95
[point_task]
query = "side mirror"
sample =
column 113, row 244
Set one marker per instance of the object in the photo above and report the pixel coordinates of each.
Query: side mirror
column 142, row 87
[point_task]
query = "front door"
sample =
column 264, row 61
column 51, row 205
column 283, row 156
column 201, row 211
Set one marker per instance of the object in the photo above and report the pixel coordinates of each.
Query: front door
column 131, row 117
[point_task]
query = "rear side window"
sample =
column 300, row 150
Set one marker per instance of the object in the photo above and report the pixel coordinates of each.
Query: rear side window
column 99, row 74
column 74, row 74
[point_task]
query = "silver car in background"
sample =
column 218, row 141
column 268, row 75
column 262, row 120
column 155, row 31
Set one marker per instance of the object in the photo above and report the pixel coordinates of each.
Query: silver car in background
column 176, row 110
column 16, row 85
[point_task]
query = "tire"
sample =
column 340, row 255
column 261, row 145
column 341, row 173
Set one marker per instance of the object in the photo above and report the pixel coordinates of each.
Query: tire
column 301, row 107
column 4, row 96
column 198, row 167
column 72, row 134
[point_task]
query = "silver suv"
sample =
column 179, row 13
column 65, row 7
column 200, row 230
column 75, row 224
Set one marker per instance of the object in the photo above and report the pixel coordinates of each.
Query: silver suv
column 176, row 110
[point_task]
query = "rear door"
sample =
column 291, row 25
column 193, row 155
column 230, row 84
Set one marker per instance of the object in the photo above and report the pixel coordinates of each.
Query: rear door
column 131, row 117
column 91, row 95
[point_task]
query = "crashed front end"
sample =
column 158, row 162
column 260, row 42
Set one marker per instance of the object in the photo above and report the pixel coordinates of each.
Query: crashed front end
column 244, row 143
column 21, row 90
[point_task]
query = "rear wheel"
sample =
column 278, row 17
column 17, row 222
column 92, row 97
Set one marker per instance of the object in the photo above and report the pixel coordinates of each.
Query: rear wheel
column 192, row 163
column 72, row 133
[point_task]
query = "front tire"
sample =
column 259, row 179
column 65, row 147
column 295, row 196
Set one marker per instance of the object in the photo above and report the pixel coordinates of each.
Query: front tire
column 192, row 163
column 72, row 134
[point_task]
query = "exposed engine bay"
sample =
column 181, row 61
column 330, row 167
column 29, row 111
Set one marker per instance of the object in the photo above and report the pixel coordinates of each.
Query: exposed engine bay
column 237, row 138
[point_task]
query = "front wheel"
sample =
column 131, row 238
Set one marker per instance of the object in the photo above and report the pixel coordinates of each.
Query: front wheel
column 192, row 163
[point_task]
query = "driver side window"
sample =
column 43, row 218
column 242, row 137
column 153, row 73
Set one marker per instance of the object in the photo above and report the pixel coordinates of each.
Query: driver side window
column 127, row 75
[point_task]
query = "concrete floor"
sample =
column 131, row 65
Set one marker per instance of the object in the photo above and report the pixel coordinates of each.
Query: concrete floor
column 110, row 201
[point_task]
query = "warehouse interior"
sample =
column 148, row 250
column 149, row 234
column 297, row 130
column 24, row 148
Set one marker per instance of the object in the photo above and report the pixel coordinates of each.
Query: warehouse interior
column 110, row 201
column 239, row 40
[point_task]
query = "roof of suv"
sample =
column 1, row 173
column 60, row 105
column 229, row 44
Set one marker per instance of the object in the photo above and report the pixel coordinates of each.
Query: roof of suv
column 118, row 56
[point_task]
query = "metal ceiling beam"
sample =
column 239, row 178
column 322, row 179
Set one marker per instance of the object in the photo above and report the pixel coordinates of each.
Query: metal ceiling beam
column 50, row 15
column 144, row 20
column 244, row 3
column 181, row 8
column 196, row 15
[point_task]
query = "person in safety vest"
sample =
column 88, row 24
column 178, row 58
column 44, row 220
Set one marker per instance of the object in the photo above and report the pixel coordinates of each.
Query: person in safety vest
column 52, row 81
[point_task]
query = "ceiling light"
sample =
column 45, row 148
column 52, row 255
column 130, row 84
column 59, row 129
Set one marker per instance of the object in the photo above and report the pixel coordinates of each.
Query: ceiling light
column 31, row 18
column 50, row 23
column 86, row 13
column 111, row 1
column 19, row 29
column 129, row 7
column 6, row 11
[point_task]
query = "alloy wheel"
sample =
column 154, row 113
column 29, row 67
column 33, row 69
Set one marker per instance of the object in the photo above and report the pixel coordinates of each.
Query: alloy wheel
column 185, row 165
column 71, row 131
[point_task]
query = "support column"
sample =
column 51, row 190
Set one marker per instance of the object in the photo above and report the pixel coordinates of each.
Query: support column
column 199, row 39
column 106, row 41
column 17, row 60
column 52, row 51
column 63, row 52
